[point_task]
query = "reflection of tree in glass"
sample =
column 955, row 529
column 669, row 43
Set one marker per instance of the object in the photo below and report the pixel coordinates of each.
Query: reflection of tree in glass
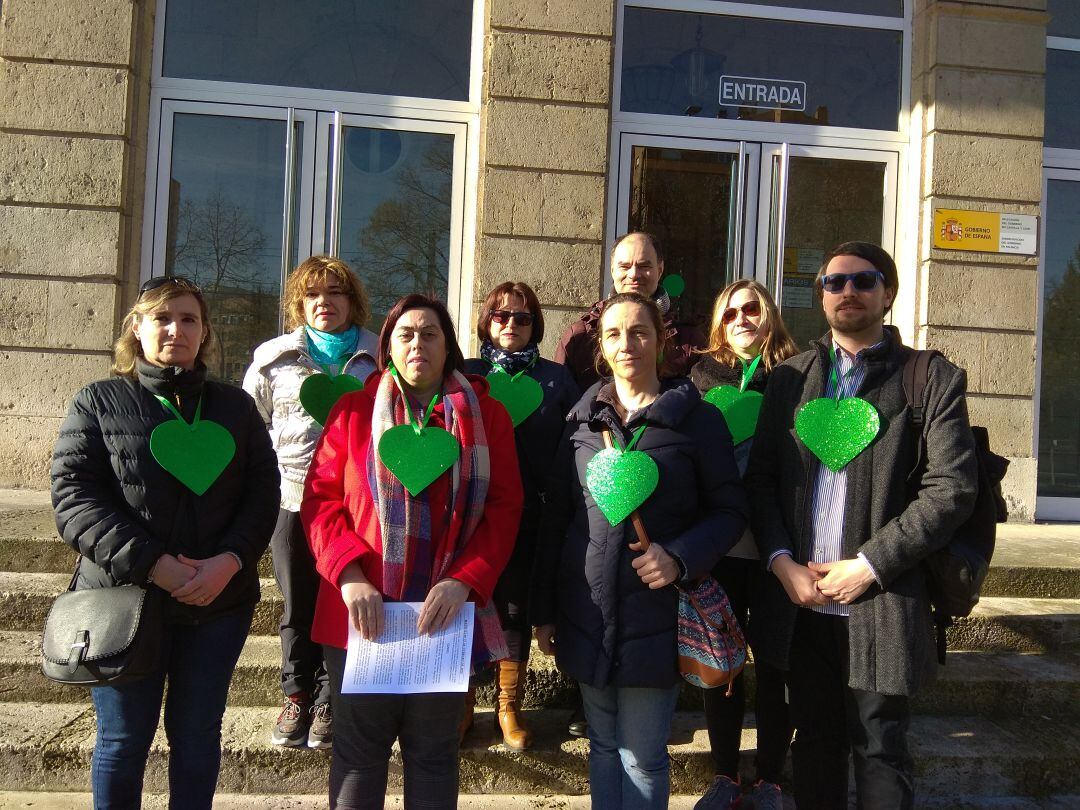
column 219, row 246
column 1059, row 424
column 404, row 247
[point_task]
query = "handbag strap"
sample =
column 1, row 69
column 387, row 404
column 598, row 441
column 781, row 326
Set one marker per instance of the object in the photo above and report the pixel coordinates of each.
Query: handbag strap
column 635, row 518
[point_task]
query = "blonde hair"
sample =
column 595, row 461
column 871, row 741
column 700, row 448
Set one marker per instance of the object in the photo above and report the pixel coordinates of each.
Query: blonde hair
column 778, row 345
column 316, row 270
column 128, row 348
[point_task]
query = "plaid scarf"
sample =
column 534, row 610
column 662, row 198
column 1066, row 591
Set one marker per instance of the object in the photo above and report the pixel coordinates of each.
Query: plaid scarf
column 413, row 561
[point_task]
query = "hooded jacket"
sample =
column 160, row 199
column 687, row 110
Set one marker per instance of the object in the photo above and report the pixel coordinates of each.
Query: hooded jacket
column 610, row 627
column 277, row 371
column 121, row 510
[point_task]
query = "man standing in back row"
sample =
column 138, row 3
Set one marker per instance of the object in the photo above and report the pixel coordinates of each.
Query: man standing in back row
column 836, row 523
column 637, row 264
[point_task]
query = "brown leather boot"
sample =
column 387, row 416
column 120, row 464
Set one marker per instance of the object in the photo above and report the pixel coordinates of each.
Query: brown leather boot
column 511, row 685
column 467, row 717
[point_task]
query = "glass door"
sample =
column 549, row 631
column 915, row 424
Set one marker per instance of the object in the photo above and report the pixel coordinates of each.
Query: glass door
column 228, row 214
column 694, row 195
column 392, row 192
column 812, row 199
column 1058, row 403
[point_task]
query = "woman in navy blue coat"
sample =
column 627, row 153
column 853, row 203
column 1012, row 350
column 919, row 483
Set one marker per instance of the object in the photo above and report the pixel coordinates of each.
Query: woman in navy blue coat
column 603, row 606
column 510, row 327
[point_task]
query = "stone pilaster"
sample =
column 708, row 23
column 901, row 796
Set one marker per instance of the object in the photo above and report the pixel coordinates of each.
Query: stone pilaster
column 978, row 76
column 545, row 129
column 68, row 72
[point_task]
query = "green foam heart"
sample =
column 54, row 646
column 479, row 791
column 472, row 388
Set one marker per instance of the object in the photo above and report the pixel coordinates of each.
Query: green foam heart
column 740, row 409
column 836, row 432
column 194, row 454
column 417, row 459
column 320, row 392
column 520, row 397
column 620, row 481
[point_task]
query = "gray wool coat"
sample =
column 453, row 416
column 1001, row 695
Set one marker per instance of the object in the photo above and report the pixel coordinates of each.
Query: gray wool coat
column 891, row 633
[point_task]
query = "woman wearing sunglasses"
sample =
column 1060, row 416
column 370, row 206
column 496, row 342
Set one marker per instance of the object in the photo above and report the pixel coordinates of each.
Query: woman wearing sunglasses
column 510, row 327
column 294, row 379
column 140, row 510
column 747, row 341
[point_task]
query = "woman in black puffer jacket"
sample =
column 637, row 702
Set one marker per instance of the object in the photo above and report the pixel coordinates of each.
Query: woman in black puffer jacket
column 510, row 327
column 132, row 521
column 747, row 340
column 601, row 601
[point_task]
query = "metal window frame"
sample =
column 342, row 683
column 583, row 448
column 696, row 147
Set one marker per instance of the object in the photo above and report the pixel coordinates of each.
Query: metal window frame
column 169, row 95
column 1048, row 507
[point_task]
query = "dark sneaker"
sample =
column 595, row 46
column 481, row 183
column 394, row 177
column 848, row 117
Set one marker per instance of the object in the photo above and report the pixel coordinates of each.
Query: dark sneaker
column 321, row 730
column 766, row 796
column 721, row 795
column 292, row 724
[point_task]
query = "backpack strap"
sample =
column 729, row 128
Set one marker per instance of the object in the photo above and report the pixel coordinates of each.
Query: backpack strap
column 915, row 378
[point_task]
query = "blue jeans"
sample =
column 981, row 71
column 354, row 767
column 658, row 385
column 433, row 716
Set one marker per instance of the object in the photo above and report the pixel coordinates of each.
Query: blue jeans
column 628, row 734
column 198, row 662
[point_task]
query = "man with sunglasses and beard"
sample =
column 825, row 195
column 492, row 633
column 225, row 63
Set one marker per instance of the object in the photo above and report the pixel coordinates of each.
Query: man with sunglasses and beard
column 637, row 265
column 845, row 539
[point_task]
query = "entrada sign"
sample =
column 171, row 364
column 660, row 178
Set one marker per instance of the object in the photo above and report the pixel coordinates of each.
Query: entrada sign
column 766, row 94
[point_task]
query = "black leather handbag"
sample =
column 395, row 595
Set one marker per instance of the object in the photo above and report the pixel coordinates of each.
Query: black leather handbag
column 103, row 636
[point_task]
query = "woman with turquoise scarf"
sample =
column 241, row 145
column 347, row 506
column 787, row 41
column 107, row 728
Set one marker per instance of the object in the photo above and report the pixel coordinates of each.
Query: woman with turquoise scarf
column 295, row 380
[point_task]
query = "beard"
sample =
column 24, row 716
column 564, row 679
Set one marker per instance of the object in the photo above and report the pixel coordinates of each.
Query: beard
column 854, row 319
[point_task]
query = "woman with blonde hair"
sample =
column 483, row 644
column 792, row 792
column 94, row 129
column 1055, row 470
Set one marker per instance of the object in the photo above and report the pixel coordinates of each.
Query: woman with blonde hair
column 747, row 340
column 141, row 509
column 295, row 379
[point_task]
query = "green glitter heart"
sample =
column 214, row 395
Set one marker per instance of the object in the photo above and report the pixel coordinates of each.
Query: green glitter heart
column 836, row 432
column 520, row 396
column 740, row 409
column 417, row 459
column 194, row 454
column 320, row 392
column 620, row 481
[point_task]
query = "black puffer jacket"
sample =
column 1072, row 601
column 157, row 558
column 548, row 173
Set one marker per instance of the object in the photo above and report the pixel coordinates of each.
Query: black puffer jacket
column 121, row 510
column 611, row 629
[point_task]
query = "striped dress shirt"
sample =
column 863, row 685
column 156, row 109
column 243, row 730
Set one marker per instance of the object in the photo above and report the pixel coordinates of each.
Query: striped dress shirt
column 830, row 488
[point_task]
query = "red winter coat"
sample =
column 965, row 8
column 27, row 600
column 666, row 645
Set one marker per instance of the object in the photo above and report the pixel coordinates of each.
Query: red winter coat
column 339, row 508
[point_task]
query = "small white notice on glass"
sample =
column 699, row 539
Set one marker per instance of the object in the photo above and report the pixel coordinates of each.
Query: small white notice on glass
column 402, row 662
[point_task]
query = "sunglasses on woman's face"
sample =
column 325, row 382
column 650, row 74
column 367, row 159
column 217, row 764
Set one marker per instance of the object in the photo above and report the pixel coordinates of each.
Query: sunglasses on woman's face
column 501, row 316
column 863, row 281
column 161, row 281
column 751, row 309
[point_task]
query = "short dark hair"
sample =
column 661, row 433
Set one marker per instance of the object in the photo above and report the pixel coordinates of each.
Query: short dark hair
column 652, row 239
column 491, row 303
column 455, row 360
column 874, row 254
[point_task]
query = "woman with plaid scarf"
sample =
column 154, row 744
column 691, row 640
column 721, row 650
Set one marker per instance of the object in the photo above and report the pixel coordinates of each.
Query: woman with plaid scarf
column 373, row 541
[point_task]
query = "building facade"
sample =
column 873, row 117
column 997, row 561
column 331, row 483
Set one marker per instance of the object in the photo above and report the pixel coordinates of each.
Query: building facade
column 449, row 145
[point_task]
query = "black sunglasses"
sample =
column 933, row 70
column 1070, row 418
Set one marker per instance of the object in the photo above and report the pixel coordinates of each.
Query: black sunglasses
column 751, row 309
column 161, row 281
column 501, row 316
column 863, row 281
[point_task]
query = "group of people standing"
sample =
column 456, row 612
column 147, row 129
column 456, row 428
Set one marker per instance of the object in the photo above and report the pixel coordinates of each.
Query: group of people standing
column 821, row 565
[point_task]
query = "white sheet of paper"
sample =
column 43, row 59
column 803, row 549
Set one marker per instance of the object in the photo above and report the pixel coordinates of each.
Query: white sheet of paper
column 402, row 662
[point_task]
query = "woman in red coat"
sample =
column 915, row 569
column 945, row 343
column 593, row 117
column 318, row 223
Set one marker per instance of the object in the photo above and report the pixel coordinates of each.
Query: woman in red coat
column 373, row 541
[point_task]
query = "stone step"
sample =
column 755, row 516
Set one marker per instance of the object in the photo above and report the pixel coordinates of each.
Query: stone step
column 1030, row 560
column 32, row 800
column 972, row 683
column 1000, row 624
column 47, row 746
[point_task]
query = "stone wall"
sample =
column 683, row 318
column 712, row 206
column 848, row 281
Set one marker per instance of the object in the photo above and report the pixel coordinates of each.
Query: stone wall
column 67, row 78
column 978, row 75
column 545, row 129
